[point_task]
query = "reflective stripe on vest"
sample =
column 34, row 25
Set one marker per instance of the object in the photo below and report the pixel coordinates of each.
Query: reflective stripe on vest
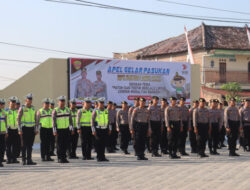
column 45, row 118
column 62, row 118
column 102, row 118
column 12, row 118
column 73, row 115
column 29, row 116
column 86, row 117
column 2, row 121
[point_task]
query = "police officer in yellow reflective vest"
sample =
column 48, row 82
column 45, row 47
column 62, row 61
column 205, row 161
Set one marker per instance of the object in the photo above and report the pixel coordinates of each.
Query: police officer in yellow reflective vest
column 73, row 138
column 62, row 125
column 101, row 129
column 84, row 128
column 18, row 105
column 44, row 121
column 13, row 137
column 27, row 129
column 53, row 141
column 3, row 131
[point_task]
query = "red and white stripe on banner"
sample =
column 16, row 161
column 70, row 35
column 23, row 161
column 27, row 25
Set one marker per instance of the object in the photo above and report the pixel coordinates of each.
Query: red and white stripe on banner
column 190, row 53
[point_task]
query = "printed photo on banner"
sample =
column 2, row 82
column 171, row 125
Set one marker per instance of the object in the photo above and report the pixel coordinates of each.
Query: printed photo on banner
column 120, row 80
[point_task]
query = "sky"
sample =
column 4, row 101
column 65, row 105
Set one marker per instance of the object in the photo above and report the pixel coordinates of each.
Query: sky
column 91, row 30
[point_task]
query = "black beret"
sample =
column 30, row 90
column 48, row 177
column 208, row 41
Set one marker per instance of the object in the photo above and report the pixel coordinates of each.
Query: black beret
column 164, row 99
column 137, row 98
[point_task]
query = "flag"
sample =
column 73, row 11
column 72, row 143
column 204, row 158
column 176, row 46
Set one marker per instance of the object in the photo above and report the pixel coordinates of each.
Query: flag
column 248, row 34
column 190, row 53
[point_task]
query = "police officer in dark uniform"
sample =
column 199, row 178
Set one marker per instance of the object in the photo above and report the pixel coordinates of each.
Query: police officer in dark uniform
column 186, row 124
column 174, row 126
column 155, row 123
column 245, row 122
column 202, row 126
column 232, row 124
column 73, row 138
column 164, row 139
column 216, row 124
column 192, row 135
column 141, row 123
column 100, row 129
column 122, row 125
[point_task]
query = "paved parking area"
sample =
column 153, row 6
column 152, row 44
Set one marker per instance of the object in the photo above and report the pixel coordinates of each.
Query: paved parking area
column 125, row 172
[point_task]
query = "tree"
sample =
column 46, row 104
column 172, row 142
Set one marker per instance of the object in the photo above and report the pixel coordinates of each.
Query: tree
column 232, row 88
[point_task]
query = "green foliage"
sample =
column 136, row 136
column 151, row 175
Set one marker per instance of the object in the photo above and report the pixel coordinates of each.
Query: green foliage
column 232, row 88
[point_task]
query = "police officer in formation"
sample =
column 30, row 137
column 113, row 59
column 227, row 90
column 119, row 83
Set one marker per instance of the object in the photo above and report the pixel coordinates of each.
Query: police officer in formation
column 155, row 123
column 12, row 128
column 101, row 128
column 174, row 126
column 223, row 130
column 245, row 122
column 111, row 119
column 62, row 127
column 164, row 139
column 44, row 121
column 132, row 128
column 192, row 135
column 166, row 126
column 84, row 117
column 73, row 137
column 53, row 140
column 232, row 124
column 202, row 126
column 3, row 131
column 122, row 125
column 140, row 122
column 27, row 128
column 185, row 126
column 216, row 121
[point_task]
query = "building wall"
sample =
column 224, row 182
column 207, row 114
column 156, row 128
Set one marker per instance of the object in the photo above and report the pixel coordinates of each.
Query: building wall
column 49, row 79
column 179, row 57
column 236, row 69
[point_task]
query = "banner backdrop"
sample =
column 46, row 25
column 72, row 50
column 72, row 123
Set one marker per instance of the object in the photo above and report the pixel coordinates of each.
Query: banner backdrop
column 119, row 80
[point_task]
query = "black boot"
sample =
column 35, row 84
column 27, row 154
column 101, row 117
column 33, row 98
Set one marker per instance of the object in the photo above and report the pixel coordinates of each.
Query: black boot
column 30, row 162
column 24, row 162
